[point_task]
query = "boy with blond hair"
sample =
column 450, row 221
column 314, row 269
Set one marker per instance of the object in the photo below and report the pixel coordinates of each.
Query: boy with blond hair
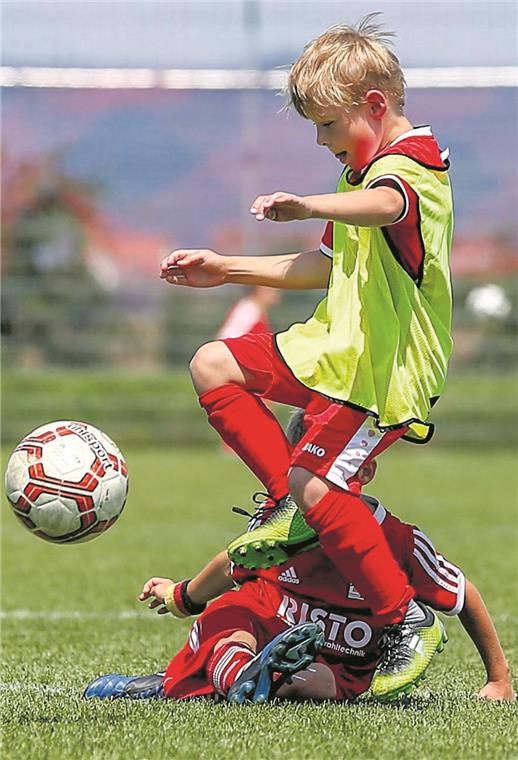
column 370, row 363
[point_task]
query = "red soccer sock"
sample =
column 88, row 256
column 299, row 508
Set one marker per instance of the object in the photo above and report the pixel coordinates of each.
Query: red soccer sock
column 251, row 430
column 226, row 664
column 354, row 542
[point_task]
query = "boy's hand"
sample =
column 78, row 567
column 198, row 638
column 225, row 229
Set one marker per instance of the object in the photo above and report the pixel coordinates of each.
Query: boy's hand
column 195, row 268
column 498, row 690
column 281, row 207
column 156, row 587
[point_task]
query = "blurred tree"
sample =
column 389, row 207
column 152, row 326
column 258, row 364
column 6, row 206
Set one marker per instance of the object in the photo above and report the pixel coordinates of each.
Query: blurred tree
column 50, row 298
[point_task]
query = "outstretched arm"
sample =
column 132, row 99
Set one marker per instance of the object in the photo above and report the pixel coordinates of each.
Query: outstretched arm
column 209, row 583
column 372, row 207
column 212, row 581
column 207, row 269
column 480, row 628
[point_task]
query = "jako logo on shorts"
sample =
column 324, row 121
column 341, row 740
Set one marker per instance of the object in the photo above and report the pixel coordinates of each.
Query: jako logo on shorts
column 312, row 448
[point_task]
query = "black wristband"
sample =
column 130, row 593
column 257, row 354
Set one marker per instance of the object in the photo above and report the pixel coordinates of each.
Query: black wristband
column 191, row 607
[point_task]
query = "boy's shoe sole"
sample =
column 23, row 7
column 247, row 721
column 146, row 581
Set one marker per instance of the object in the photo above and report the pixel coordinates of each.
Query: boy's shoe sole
column 117, row 686
column 418, row 646
column 288, row 653
column 281, row 536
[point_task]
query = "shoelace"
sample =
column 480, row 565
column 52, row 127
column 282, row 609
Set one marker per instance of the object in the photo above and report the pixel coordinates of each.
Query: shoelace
column 256, row 518
column 393, row 645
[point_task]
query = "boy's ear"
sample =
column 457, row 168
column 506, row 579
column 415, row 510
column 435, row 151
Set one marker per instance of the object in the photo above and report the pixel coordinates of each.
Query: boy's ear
column 377, row 103
column 367, row 472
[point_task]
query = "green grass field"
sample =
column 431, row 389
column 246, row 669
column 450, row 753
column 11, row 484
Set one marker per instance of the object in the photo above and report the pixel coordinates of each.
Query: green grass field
column 70, row 613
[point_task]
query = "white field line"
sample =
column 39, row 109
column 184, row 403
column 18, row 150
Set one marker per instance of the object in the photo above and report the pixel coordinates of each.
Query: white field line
column 74, row 615
column 51, row 615
column 231, row 79
column 38, row 687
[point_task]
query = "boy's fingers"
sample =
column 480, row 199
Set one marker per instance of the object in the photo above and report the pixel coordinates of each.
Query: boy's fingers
column 173, row 259
column 173, row 275
column 256, row 205
column 150, row 584
column 176, row 279
column 188, row 260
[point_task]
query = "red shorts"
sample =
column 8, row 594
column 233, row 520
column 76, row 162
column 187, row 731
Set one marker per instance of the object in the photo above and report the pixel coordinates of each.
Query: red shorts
column 338, row 439
column 253, row 608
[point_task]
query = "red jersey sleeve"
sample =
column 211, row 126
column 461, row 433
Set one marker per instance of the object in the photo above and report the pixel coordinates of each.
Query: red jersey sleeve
column 244, row 317
column 437, row 582
column 403, row 236
column 326, row 244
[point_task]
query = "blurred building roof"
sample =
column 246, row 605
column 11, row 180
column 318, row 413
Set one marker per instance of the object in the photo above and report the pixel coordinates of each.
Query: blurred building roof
column 484, row 257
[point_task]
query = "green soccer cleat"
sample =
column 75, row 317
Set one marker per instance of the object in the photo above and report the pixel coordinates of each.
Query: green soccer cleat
column 283, row 534
column 408, row 650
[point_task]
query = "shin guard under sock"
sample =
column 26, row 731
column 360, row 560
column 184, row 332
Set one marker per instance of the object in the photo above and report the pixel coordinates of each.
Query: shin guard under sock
column 246, row 425
column 354, row 542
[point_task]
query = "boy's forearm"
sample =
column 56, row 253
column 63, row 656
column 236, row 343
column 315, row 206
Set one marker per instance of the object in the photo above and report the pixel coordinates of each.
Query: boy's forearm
column 212, row 581
column 299, row 271
column 374, row 207
column 480, row 628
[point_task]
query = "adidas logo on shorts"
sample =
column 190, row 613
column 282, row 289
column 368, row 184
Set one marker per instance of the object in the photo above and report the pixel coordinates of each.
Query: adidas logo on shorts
column 289, row 576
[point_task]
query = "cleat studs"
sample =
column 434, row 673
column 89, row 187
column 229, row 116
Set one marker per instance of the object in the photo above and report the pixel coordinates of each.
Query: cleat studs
column 242, row 550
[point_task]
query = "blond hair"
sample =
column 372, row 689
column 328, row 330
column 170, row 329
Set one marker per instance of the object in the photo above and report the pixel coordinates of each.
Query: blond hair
column 339, row 67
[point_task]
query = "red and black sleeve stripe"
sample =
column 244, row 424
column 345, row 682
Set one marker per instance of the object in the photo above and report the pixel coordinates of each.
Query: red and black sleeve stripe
column 404, row 236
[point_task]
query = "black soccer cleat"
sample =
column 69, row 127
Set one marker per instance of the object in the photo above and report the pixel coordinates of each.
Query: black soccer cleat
column 288, row 653
column 117, row 686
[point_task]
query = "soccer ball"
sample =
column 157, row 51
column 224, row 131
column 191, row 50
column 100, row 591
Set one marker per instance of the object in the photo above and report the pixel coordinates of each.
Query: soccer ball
column 67, row 482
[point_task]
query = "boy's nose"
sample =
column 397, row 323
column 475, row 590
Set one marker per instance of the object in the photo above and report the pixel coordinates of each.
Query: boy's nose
column 320, row 139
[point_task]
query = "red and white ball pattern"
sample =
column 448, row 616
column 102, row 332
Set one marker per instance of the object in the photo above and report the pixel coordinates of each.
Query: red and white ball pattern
column 67, row 482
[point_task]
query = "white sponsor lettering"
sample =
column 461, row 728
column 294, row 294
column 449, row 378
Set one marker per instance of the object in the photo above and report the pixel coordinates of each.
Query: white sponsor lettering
column 337, row 628
column 312, row 448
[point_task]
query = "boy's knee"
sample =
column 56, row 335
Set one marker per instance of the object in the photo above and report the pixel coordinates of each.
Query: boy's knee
column 306, row 488
column 240, row 637
column 213, row 365
column 205, row 366
column 316, row 682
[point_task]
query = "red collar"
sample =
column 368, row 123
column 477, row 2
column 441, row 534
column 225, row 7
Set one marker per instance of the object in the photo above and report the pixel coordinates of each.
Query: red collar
column 423, row 149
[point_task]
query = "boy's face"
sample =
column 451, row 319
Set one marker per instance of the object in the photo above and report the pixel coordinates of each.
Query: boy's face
column 352, row 136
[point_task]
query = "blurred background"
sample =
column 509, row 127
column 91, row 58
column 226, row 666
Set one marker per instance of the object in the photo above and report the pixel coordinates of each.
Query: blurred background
column 133, row 128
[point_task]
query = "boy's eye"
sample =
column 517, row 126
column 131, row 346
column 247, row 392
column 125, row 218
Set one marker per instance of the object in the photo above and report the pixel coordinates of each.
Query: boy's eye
column 327, row 123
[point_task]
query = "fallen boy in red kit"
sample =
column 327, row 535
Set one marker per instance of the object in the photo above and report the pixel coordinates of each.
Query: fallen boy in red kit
column 258, row 641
